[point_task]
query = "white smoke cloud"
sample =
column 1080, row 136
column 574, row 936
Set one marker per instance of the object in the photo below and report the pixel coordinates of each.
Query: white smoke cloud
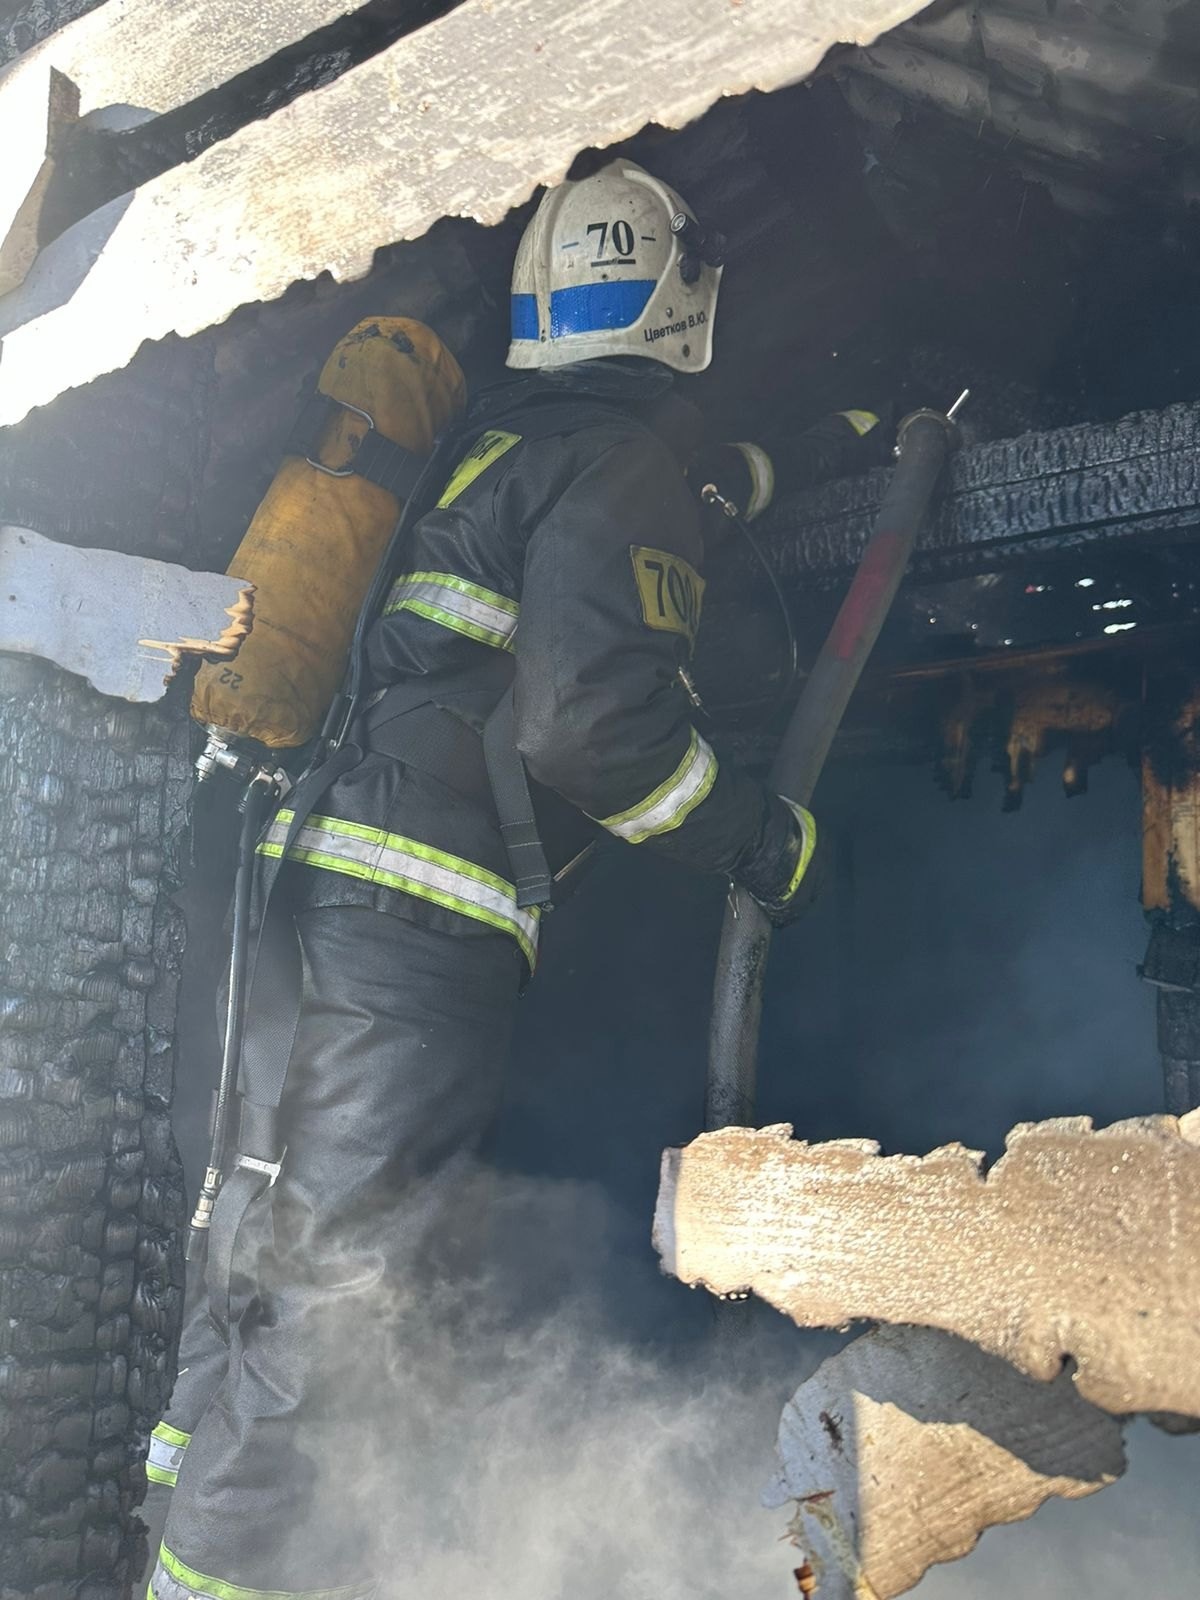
column 557, row 1459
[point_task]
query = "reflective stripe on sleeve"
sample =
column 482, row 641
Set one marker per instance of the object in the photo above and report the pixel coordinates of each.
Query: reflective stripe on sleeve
column 172, row 1579
column 165, row 1456
column 394, row 862
column 808, row 845
column 467, row 608
column 861, row 421
column 673, row 801
column 762, row 478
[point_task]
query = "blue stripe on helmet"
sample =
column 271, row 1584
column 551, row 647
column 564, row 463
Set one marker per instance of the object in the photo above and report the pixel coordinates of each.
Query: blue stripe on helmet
column 524, row 316
column 591, row 306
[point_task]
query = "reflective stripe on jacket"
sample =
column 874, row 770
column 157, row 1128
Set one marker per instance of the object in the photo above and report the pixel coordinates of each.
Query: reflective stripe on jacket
column 372, row 855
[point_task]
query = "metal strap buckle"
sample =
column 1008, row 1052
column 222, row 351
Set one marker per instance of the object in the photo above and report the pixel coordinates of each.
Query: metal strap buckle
column 342, row 472
column 269, row 1169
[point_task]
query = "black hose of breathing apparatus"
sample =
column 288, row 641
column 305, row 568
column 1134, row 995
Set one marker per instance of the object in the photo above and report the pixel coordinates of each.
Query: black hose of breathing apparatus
column 259, row 795
column 712, row 496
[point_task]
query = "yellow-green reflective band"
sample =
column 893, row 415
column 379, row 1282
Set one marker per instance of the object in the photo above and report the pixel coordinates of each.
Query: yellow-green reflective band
column 808, row 844
column 394, row 862
column 466, row 608
column 673, row 801
column 487, row 448
column 762, row 478
column 170, row 1435
column 165, row 1456
column 861, row 421
column 181, row 1577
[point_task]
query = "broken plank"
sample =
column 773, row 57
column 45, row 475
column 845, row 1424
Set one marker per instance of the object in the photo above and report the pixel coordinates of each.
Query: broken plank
column 464, row 117
column 125, row 623
column 1079, row 1243
column 44, row 104
column 143, row 53
column 903, row 1448
column 124, row 53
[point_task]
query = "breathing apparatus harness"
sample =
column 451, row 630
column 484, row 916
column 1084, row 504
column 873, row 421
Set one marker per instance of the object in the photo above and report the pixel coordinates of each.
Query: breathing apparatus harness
column 265, row 786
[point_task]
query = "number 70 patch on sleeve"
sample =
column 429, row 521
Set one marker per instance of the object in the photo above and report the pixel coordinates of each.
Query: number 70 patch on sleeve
column 670, row 589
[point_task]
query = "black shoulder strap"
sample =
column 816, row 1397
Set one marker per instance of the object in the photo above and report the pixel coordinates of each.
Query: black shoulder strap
column 514, row 806
column 378, row 459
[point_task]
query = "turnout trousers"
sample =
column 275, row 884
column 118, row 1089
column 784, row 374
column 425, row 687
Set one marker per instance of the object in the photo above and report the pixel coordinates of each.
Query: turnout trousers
column 394, row 1078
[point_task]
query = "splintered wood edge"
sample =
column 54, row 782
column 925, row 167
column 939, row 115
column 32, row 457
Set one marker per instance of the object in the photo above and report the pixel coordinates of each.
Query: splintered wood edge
column 223, row 648
column 1079, row 1243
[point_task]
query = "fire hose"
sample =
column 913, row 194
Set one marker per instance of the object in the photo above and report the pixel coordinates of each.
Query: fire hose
column 923, row 441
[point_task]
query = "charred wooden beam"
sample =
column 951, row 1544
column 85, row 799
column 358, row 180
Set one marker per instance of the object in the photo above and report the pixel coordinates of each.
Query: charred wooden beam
column 93, row 796
column 91, row 1197
column 1171, row 876
column 1132, row 483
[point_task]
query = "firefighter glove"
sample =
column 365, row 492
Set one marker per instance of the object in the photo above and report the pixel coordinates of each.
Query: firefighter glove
column 778, row 878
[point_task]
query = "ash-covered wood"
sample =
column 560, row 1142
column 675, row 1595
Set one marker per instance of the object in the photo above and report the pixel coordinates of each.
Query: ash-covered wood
column 92, row 792
column 902, row 1449
column 1079, row 1243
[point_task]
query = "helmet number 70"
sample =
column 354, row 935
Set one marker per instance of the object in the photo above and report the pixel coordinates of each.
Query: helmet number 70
column 622, row 243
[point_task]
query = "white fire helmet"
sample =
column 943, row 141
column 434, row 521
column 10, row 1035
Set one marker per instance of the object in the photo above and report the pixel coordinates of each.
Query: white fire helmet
column 614, row 265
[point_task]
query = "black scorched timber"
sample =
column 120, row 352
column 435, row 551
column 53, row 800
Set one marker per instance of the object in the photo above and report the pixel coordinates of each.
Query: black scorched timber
column 1077, row 489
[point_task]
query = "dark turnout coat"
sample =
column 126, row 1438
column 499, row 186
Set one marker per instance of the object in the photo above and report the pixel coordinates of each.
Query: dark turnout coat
column 565, row 557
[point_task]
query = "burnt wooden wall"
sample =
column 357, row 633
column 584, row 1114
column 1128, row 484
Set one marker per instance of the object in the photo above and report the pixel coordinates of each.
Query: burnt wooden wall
column 93, row 812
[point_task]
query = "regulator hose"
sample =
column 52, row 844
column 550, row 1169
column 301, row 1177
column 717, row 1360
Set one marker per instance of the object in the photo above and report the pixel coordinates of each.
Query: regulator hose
column 922, row 444
column 260, row 793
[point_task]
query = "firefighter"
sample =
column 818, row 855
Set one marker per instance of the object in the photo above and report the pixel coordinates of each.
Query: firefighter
column 561, row 563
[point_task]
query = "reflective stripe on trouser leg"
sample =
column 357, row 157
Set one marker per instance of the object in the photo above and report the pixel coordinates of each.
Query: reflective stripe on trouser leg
column 172, row 1579
column 673, row 801
column 396, row 862
column 463, row 607
column 393, row 1080
column 165, row 1456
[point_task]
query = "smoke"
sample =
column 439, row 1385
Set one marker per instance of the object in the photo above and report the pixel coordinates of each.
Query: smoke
column 561, row 1420
column 546, row 1456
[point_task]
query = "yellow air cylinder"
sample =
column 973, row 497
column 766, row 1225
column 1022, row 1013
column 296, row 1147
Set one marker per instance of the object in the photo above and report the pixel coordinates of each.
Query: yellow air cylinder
column 315, row 541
